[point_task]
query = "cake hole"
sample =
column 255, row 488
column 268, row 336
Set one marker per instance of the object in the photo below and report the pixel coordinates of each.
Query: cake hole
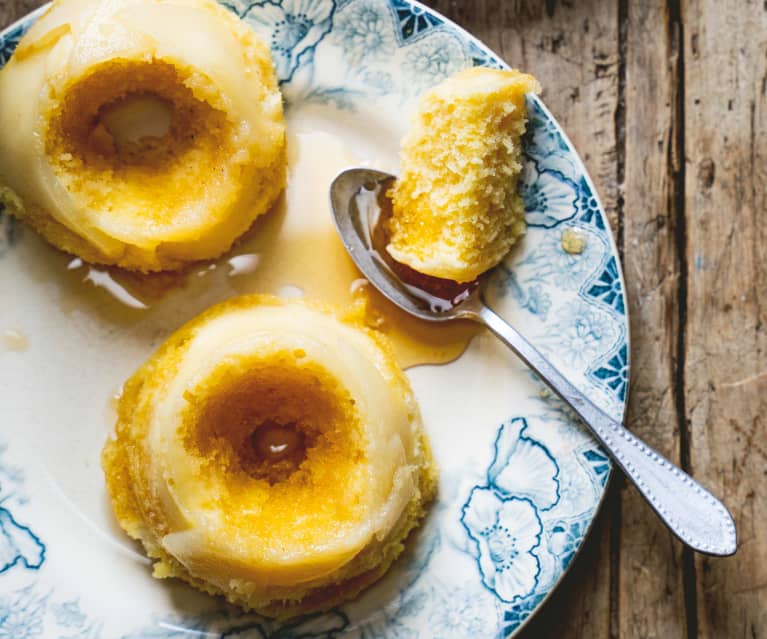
column 134, row 114
column 140, row 140
column 275, row 442
column 136, row 119
column 272, row 421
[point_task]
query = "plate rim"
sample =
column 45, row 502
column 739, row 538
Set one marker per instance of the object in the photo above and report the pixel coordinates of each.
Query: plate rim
column 619, row 262
column 608, row 486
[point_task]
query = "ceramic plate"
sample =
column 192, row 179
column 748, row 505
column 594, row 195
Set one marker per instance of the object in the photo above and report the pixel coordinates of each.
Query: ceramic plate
column 521, row 482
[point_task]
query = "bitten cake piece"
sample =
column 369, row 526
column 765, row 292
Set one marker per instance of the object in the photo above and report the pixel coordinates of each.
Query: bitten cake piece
column 140, row 133
column 456, row 211
column 271, row 452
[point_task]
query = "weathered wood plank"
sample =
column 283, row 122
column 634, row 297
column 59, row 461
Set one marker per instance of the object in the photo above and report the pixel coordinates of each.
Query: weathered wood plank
column 726, row 333
column 651, row 592
column 12, row 10
column 579, row 606
column 573, row 51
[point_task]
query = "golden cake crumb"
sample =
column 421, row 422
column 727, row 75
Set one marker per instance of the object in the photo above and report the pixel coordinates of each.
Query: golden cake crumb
column 572, row 242
column 456, row 211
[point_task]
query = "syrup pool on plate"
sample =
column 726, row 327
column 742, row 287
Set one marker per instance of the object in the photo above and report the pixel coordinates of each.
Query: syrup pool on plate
column 298, row 246
column 292, row 251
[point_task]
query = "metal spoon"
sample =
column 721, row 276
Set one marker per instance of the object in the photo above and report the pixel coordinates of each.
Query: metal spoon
column 692, row 513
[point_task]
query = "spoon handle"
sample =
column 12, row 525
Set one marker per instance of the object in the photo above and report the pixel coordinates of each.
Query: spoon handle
column 692, row 513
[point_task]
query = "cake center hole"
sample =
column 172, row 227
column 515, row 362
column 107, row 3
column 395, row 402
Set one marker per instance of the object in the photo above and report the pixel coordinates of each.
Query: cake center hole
column 277, row 442
column 136, row 118
column 139, row 122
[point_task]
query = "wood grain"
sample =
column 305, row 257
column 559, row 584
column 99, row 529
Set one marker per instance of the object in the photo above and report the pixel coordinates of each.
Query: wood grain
column 574, row 52
column 665, row 102
column 12, row 10
column 651, row 588
column 726, row 329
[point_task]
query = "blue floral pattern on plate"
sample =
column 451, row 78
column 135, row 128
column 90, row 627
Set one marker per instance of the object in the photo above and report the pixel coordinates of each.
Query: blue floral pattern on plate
column 413, row 20
column 499, row 539
column 9, row 42
column 293, row 28
column 506, row 531
column 20, row 547
column 608, row 287
column 549, row 197
column 363, row 32
column 615, row 372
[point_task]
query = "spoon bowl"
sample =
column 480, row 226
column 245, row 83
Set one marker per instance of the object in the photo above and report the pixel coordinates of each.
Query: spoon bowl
column 359, row 202
column 356, row 198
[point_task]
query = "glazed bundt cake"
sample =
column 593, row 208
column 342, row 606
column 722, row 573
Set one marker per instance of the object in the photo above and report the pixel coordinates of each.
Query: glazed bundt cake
column 271, row 452
column 140, row 133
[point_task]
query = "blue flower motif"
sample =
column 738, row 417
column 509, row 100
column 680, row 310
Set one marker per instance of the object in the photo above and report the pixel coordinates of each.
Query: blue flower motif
column 537, row 301
column 565, row 539
column 434, row 60
column 580, row 336
column 465, row 613
column 315, row 626
column 481, row 57
column 10, row 41
column 517, row 613
column 550, row 265
column 21, row 617
column 395, row 620
column 522, row 467
column 555, row 410
column 293, row 29
column 544, row 138
column 18, row 544
column 546, row 145
column 238, row 7
column 364, row 31
column 381, row 81
column 599, row 463
column 588, row 207
column 505, row 532
column 571, row 269
column 550, row 198
column 413, row 20
column 69, row 615
column 615, row 372
column 412, row 603
column 607, row 288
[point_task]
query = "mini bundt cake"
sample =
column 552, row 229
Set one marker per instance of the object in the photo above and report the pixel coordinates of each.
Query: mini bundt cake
column 456, row 211
column 140, row 133
column 271, row 452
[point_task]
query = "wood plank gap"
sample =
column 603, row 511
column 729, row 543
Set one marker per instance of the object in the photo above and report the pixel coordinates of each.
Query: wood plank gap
column 613, row 502
column 618, row 482
column 677, row 167
column 620, row 123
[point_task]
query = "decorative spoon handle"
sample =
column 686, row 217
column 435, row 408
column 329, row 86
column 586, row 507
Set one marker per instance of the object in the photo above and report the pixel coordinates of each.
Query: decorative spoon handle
column 693, row 514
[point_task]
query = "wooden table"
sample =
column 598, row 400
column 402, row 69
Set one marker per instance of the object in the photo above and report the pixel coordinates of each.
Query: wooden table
column 666, row 102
